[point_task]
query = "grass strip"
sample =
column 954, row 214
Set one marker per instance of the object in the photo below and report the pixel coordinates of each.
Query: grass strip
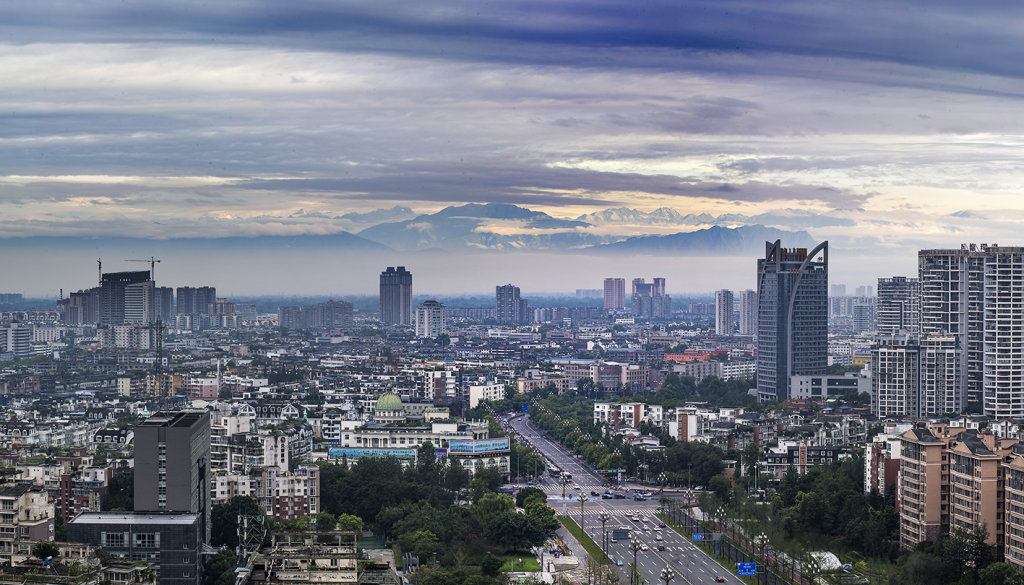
column 588, row 543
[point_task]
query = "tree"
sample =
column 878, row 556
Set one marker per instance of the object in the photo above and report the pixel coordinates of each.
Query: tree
column 422, row 543
column 485, row 480
column 122, row 492
column 350, row 522
column 220, row 569
column 529, row 493
column 45, row 549
column 491, row 565
column 325, row 521
column 721, row 486
column 224, row 520
column 1000, row 574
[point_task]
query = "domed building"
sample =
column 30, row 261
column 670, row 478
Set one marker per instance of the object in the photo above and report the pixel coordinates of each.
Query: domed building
column 389, row 409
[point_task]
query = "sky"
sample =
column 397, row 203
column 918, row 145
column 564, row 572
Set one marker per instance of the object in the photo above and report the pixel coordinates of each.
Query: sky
column 882, row 127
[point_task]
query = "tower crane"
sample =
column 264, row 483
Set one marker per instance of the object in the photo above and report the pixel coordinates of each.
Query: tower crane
column 152, row 266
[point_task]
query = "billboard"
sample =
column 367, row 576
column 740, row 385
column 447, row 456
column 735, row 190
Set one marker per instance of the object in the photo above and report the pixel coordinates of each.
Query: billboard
column 356, row 453
column 480, row 446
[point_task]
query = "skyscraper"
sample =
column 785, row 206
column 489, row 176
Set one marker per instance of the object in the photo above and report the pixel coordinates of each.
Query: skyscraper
column 792, row 320
column 511, row 309
column 748, row 312
column 723, row 312
column 163, row 298
column 615, row 293
column 112, row 294
column 396, row 296
column 899, row 305
column 172, row 464
column 430, row 319
column 139, row 303
column 650, row 300
column 194, row 300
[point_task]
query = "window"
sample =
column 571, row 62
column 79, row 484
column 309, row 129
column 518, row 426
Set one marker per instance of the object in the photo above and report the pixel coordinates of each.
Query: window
column 147, row 540
column 113, row 539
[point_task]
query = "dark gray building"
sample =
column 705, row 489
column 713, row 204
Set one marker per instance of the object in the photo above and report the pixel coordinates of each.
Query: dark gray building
column 396, row 296
column 170, row 542
column 510, row 308
column 112, row 294
column 172, row 459
column 792, row 316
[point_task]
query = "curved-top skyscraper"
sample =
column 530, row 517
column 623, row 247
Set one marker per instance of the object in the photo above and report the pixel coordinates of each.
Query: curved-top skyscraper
column 792, row 316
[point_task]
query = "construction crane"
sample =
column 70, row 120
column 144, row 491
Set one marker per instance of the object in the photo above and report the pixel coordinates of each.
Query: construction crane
column 152, row 266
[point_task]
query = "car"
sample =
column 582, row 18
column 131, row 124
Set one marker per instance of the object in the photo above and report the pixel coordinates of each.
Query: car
column 644, row 547
column 661, row 547
column 618, row 562
column 661, row 524
column 658, row 537
column 593, row 493
column 620, row 497
column 719, row 579
column 605, row 497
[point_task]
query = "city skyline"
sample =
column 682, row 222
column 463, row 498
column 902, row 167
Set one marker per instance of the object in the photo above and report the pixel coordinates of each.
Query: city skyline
column 876, row 130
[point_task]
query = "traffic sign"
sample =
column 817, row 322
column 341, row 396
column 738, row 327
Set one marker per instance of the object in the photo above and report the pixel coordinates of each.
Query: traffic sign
column 697, row 536
column 526, row 408
column 746, row 569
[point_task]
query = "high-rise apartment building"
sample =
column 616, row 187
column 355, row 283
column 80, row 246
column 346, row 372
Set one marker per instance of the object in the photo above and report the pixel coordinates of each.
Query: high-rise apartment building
column 915, row 376
column 511, row 308
column 430, row 319
column 172, row 459
column 615, row 293
column 650, row 300
column 112, row 294
column 838, row 290
column 196, row 300
column 748, row 312
column 792, row 319
column 16, row 338
column 396, row 296
column 163, row 300
column 899, row 305
column 83, row 307
column 723, row 312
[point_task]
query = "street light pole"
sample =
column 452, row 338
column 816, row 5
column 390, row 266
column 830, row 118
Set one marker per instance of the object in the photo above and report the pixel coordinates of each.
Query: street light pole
column 582, row 498
column 667, row 575
column 634, row 545
column 604, row 517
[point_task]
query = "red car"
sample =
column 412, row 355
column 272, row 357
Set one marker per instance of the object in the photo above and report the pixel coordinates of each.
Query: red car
column 719, row 579
column 661, row 524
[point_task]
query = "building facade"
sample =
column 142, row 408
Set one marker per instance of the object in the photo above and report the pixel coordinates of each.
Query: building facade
column 723, row 312
column 430, row 319
column 792, row 337
column 396, row 296
column 614, row 293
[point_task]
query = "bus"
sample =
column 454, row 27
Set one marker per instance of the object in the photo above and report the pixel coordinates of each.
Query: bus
column 555, row 471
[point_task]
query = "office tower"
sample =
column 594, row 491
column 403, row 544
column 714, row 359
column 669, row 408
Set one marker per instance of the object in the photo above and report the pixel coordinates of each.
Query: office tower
column 898, row 305
column 615, row 293
column 112, row 293
column 396, row 296
column 430, row 319
column 334, row 315
column 792, row 318
column 511, row 309
column 650, row 300
column 723, row 312
column 838, row 290
column 172, row 458
column 139, row 304
column 196, row 300
column 16, row 338
column 748, row 312
column 163, row 299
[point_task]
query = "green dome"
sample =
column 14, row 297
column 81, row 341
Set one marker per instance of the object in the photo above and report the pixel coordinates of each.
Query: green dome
column 389, row 401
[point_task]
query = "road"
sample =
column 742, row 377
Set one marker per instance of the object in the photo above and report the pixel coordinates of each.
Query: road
column 691, row 565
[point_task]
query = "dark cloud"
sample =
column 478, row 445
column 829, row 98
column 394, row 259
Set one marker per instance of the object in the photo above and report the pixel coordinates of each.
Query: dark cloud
column 538, row 184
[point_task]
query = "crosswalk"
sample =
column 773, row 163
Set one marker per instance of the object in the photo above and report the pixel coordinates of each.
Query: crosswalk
column 643, row 512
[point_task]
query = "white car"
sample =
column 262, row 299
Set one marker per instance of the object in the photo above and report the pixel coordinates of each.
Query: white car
column 644, row 547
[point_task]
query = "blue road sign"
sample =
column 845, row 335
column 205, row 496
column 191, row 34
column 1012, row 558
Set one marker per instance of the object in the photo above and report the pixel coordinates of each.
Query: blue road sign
column 698, row 536
column 746, row 569
column 526, row 408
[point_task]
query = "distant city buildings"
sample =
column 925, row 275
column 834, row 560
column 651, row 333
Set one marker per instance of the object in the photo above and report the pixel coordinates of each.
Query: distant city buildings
column 649, row 299
column 510, row 307
column 792, row 338
column 724, row 317
column 748, row 312
column 899, row 305
column 614, row 293
column 396, row 296
column 430, row 319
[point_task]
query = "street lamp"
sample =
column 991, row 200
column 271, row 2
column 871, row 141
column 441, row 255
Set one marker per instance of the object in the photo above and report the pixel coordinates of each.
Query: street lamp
column 667, row 575
column 604, row 517
column 634, row 545
column 582, row 498
column 565, row 482
column 762, row 542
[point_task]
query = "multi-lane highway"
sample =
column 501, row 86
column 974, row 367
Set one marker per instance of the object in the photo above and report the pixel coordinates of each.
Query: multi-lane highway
column 661, row 547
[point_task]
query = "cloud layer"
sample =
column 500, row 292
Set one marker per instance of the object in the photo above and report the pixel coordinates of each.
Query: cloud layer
column 882, row 127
